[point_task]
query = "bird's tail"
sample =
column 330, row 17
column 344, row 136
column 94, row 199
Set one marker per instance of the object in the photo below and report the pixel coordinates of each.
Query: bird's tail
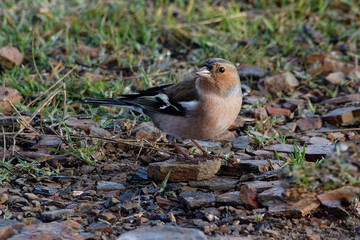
column 115, row 102
column 105, row 101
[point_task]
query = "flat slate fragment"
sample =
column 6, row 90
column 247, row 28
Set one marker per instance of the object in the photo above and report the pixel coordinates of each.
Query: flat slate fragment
column 216, row 183
column 312, row 152
column 248, row 166
column 183, row 171
column 196, row 199
column 343, row 116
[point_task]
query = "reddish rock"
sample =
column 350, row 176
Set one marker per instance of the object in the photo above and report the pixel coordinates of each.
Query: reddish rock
column 183, row 171
column 306, row 205
column 8, row 97
column 10, row 57
column 307, row 124
column 275, row 111
column 164, row 202
column 343, row 116
column 99, row 227
column 47, row 231
column 248, row 196
column 107, row 216
column 336, row 197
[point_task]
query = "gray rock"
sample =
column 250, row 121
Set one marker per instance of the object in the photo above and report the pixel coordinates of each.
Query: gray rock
column 241, row 143
column 163, row 233
column 312, row 152
column 261, row 186
column 44, row 190
column 251, row 72
column 46, row 142
column 272, row 196
column 106, row 186
column 229, row 198
column 57, row 214
column 216, row 183
column 196, row 199
column 31, row 196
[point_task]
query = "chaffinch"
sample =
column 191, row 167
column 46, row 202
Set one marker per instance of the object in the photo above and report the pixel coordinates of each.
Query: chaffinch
column 200, row 108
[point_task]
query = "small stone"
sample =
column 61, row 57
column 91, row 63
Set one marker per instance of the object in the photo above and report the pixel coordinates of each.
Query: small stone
column 99, row 227
column 261, row 186
column 8, row 95
column 164, row 232
column 248, row 196
column 336, row 197
column 248, row 166
column 319, row 141
column 99, row 132
column 281, row 82
column 55, row 230
column 336, row 136
column 4, row 197
column 304, row 113
column 313, row 237
column 164, row 202
column 216, row 184
column 307, row 124
column 196, row 199
column 336, row 77
column 342, row 99
column 46, row 142
column 343, row 116
column 83, row 124
column 272, row 233
column 312, row 152
column 107, row 216
column 140, row 175
column 183, row 171
column 50, row 216
column 306, row 205
column 354, row 75
column 147, row 131
column 10, row 57
column 31, row 196
column 229, row 198
column 271, row 196
column 106, row 186
column 276, row 111
column 44, row 190
column 251, row 72
column 9, row 228
column 240, row 143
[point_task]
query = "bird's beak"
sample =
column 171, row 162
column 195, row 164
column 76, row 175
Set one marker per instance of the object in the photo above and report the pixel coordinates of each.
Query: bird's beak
column 203, row 73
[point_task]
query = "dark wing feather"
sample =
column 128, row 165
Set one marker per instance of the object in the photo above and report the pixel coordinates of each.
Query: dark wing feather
column 164, row 99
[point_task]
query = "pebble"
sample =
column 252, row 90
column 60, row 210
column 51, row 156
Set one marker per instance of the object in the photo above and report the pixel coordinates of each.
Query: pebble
column 196, row 199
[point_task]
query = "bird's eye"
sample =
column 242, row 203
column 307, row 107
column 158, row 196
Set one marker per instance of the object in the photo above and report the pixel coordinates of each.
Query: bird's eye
column 222, row 69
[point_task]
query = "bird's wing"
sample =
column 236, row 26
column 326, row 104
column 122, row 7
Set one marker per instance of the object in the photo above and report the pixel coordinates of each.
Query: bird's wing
column 174, row 99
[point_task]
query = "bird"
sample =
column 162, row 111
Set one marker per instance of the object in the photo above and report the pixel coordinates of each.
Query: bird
column 198, row 109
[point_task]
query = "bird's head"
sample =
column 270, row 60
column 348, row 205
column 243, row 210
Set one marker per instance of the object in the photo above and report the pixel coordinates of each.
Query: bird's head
column 219, row 76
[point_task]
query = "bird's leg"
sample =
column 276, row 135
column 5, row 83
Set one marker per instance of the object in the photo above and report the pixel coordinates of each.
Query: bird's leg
column 205, row 154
